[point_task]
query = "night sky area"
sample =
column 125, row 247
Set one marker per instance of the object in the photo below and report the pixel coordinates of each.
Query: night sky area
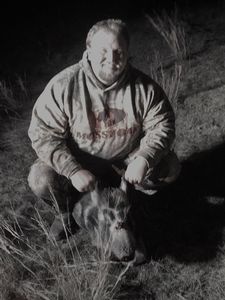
column 27, row 30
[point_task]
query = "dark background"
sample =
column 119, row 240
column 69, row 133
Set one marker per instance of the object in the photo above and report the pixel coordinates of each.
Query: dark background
column 27, row 30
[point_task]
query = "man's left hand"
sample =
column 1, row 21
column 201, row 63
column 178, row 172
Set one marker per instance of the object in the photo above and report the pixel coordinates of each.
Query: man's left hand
column 136, row 170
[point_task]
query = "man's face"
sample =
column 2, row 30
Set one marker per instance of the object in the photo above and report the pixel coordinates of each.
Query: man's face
column 108, row 55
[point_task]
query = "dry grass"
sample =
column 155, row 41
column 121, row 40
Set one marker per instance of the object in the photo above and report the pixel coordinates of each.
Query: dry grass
column 12, row 97
column 169, row 80
column 34, row 269
column 173, row 33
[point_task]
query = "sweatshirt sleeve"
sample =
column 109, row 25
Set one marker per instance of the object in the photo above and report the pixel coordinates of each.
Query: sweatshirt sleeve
column 158, row 126
column 48, row 130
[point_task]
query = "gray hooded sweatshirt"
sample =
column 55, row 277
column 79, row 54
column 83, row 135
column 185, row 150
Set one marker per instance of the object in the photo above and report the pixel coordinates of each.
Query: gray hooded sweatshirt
column 130, row 118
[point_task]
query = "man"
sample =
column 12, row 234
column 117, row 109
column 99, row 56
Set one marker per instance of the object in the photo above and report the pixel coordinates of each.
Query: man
column 98, row 113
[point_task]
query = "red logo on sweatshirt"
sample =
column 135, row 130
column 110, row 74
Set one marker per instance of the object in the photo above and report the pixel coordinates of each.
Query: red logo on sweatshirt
column 103, row 126
column 107, row 118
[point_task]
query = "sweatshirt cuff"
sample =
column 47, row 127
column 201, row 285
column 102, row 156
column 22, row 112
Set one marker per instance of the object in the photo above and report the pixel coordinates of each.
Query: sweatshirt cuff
column 151, row 162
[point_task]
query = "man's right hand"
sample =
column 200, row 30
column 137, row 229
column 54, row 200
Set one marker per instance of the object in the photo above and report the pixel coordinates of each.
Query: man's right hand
column 83, row 181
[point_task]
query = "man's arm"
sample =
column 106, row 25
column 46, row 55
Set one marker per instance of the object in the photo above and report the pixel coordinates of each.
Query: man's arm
column 159, row 133
column 48, row 131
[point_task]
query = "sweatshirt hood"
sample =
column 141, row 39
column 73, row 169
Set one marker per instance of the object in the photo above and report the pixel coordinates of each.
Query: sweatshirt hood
column 85, row 64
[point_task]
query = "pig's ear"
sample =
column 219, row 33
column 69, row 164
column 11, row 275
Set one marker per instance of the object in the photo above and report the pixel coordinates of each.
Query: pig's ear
column 123, row 184
column 95, row 194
